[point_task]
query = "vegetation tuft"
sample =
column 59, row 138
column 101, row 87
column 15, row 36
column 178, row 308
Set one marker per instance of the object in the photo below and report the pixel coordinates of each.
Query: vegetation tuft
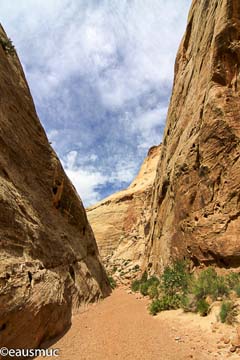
column 146, row 286
column 177, row 288
column 228, row 312
column 7, row 45
column 202, row 307
column 112, row 282
column 210, row 284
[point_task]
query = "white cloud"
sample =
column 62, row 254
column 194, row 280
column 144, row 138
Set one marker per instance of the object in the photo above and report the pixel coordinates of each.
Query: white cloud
column 133, row 42
column 100, row 72
column 151, row 118
column 86, row 181
column 124, row 172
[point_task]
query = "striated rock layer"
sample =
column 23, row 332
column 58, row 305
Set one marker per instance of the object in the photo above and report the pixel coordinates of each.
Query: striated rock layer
column 49, row 261
column 119, row 221
column 196, row 195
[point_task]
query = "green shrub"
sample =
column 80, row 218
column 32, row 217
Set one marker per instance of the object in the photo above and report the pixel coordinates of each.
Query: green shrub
column 228, row 312
column 144, row 277
column 233, row 281
column 176, row 289
column 166, row 302
column 159, row 305
column 112, row 282
column 202, row 307
column 222, row 288
column 155, row 307
column 7, row 45
column 175, row 278
column 144, row 288
column 172, row 302
column 209, row 283
column 135, row 285
column 189, row 303
column 145, row 285
column 237, row 290
column 153, row 280
column 153, row 291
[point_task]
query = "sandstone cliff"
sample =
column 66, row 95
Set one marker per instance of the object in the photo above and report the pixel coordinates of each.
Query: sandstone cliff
column 49, row 261
column 119, row 221
column 196, row 195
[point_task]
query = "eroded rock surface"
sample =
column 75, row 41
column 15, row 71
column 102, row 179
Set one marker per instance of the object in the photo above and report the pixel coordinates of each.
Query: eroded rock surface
column 49, row 261
column 196, row 196
column 119, row 222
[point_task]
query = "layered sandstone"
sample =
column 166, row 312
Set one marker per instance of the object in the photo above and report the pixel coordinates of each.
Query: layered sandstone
column 196, row 195
column 49, row 261
column 119, row 221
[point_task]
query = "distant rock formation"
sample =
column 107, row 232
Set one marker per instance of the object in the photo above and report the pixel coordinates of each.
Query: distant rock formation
column 196, row 195
column 119, row 222
column 49, row 261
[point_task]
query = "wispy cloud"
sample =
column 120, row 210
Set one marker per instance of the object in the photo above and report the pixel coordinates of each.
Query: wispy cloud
column 86, row 180
column 100, row 73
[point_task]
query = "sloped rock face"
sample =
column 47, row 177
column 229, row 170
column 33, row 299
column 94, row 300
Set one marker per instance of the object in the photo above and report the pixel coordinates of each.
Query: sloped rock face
column 49, row 261
column 196, row 196
column 119, row 221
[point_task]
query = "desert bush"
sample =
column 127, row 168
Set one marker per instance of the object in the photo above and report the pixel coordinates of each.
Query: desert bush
column 153, row 280
column 144, row 284
column 144, row 277
column 237, row 290
column 155, row 307
column 189, row 303
column 233, row 282
column 209, row 283
column 144, row 288
column 228, row 312
column 175, row 278
column 202, row 307
column 166, row 302
column 171, row 289
column 153, row 291
column 112, row 282
column 177, row 288
column 232, row 279
column 7, row 45
column 135, row 285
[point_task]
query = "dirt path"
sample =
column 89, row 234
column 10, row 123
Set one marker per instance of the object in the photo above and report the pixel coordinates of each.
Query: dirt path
column 121, row 328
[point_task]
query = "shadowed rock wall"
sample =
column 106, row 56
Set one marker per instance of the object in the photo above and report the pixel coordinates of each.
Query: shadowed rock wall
column 49, row 261
column 196, row 195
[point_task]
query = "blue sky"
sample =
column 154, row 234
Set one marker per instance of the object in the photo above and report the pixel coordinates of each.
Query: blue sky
column 100, row 73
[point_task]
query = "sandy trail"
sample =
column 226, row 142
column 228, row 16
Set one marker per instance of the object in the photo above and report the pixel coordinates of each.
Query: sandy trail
column 120, row 327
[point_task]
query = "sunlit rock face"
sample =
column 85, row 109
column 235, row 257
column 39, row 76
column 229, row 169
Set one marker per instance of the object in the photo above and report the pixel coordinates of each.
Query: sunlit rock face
column 196, row 194
column 49, row 261
column 120, row 222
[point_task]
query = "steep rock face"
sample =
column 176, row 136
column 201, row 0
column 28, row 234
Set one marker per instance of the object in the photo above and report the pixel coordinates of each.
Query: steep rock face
column 119, row 221
column 196, row 196
column 49, row 261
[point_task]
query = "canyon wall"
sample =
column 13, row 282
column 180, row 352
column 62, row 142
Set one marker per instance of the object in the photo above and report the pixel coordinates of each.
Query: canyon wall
column 119, row 221
column 49, row 261
column 196, row 194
